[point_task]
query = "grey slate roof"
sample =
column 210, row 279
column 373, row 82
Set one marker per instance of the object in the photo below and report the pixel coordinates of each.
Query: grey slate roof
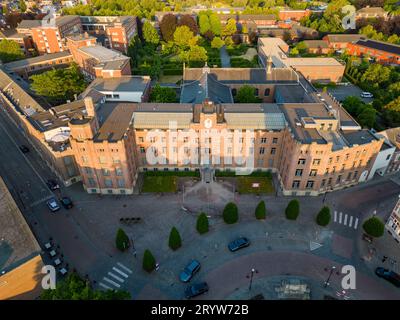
column 207, row 87
column 359, row 137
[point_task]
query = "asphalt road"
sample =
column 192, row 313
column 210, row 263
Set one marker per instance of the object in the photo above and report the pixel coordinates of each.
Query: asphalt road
column 341, row 92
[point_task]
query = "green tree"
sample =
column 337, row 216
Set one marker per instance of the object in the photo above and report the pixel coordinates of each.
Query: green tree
column 376, row 74
column 260, row 210
column 121, row 240
column 294, row 52
column 22, row 6
column 10, row 51
column 246, row 94
column 217, row 43
column 162, row 94
column 167, row 26
column 59, row 85
column 187, row 20
column 204, row 23
column 75, row 288
column 229, row 28
column 196, row 54
column 292, row 210
column 202, row 223
column 184, row 37
column 150, row 34
column 374, row 227
column 215, row 24
column 149, row 263
column 230, row 213
column 174, row 241
column 323, row 217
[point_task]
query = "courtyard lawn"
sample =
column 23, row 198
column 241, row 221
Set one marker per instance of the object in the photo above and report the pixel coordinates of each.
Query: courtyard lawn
column 159, row 184
column 245, row 185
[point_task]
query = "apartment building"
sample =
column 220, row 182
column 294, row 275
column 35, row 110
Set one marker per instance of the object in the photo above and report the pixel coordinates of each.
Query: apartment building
column 95, row 60
column 49, row 35
column 382, row 52
column 312, row 146
column 341, row 41
column 114, row 32
column 371, row 13
column 313, row 69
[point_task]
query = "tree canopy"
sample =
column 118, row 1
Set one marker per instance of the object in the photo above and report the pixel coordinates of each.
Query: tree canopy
column 168, row 25
column 230, row 213
column 150, row 34
column 75, row 288
column 374, row 227
column 246, row 94
column 162, row 94
column 10, row 51
column 59, row 85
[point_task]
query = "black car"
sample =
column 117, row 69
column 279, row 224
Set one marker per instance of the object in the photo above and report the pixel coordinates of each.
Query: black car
column 189, row 271
column 52, row 184
column 24, row 148
column 66, row 202
column 196, row 289
column 388, row 275
column 238, row 244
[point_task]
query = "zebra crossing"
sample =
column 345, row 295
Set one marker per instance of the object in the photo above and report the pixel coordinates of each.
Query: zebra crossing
column 345, row 219
column 116, row 277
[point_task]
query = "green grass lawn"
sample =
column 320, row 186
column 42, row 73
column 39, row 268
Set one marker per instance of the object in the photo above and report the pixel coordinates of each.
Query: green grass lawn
column 159, row 184
column 244, row 185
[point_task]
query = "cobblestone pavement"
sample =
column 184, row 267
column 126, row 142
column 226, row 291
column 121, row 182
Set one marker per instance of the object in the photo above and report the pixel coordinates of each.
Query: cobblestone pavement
column 279, row 246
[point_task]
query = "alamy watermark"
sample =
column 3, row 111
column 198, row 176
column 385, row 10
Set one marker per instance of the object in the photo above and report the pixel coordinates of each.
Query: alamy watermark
column 349, row 20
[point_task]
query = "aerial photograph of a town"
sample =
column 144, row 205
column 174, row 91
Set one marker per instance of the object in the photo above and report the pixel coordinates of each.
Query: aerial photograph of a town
column 218, row 154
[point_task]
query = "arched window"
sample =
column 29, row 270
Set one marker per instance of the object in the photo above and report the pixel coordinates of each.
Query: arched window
column 266, row 92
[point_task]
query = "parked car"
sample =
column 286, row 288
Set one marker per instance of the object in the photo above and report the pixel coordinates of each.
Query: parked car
column 53, row 205
column 196, row 289
column 388, row 275
column 238, row 244
column 24, row 148
column 52, row 184
column 189, row 271
column 366, row 95
column 66, row 202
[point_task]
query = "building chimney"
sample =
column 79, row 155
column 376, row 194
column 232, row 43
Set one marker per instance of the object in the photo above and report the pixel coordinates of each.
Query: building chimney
column 89, row 105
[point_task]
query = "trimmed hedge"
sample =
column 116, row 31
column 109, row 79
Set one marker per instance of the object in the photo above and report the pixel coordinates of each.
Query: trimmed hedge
column 231, row 214
column 324, row 217
column 267, row 174
column 202, row 223
column 292, row 210
column 121, row 240
column 149, row 263
column 175, row 241
column 374, row 227
column 260, row 210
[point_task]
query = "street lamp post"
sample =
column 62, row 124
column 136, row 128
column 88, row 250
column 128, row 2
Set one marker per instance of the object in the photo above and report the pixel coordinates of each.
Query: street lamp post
column 329, row 277
column 251, row 277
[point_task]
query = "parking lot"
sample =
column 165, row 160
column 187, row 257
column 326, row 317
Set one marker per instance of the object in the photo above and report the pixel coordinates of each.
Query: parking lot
column 341, row 92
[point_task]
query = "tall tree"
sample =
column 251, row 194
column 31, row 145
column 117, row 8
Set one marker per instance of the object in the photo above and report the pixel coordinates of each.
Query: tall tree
column 246, row 94
column 168, row 25
column 10, row 51
column 204, row 23
column 22, row 6
column 184, row 37
column 215, row 24
column 150, row 34
column 187, row 20
column 230, row 28
column 121, row 240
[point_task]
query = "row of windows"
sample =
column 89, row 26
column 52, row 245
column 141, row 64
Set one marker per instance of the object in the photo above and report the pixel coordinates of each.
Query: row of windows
column 206, row 140
column 107, row 182
column 105, row 172
column 101, row 159
column 310, row 183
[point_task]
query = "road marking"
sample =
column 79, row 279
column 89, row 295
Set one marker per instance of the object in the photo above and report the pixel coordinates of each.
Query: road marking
column 112, row 282
column 125, row 268
column 335, row 216
column 340, row 217
column 356, row 223
column 345, row 220
column 105, row 286
column 120, row 272
column 314, row 245
column 351, row 221
column 116, row 277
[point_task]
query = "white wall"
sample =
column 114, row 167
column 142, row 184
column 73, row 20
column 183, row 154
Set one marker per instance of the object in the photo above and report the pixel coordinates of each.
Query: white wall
column 381, row 163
